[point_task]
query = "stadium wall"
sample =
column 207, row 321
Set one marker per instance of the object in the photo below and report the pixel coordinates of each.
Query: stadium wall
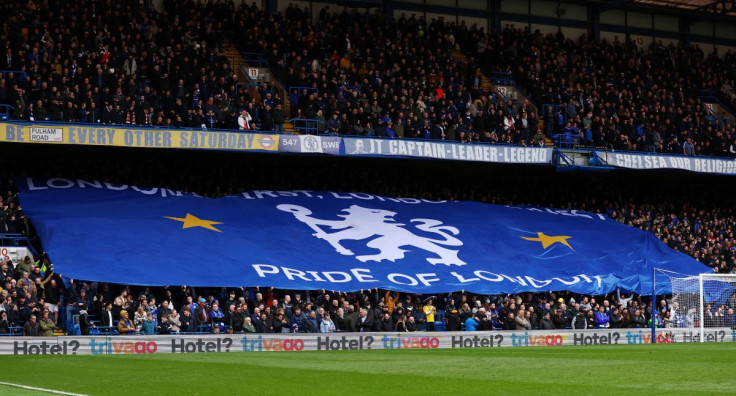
column 119, row 345
column 192, row 139
column 548, row 16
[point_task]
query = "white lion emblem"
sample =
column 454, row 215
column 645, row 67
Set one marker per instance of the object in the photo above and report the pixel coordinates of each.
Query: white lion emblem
column 361, row 223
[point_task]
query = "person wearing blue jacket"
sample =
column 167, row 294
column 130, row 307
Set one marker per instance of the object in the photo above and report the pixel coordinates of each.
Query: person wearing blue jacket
column 601, row 318
column 471, row 324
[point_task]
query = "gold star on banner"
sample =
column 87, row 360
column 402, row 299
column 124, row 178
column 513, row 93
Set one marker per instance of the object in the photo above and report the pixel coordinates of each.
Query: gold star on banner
column 548, row 240
column 193, row 221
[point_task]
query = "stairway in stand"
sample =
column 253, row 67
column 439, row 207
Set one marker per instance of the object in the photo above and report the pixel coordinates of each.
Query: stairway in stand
column 239, row 65
column 486, row 88
column 485, row 85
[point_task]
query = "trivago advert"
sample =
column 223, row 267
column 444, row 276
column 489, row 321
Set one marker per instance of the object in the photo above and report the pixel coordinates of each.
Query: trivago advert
column 141, row 345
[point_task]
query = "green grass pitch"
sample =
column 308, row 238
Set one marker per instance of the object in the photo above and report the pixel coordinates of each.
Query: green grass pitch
column 595, row 370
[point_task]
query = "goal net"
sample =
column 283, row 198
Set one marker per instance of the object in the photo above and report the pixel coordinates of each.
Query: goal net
column 702, row 302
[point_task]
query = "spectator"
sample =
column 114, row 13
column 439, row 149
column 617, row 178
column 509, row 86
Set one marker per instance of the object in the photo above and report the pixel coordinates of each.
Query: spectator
column 282, row 324
column 484, row 321
column 279, row 117
column 248, row 326
column 638, row 320
column 401, row 324
column 4, row 322
column 453, row 320
column 125, row 326
column 187, row 321
column 163, row 327
column 411, row 325
column 546, row 322
column 327, row 326
column 386, row 324
column 174, row 322
column 365, row 322
column 46, row 325
column 688, row 148
column 164, row 309
column 263, row 324
column 139, row 318
column 615, row 321
column 601, row 318
column 201, row 313
column 217, row 318
column 558, row 320
column 509, row 322
column 471, row 324
column 590, row 319
column 349, row 322
column 84, row 323
column 31, row 328
column 429, row 312
column 244, row 120
column 149, row 325
column 667, row 321
column 729, row 320
column 521, row 321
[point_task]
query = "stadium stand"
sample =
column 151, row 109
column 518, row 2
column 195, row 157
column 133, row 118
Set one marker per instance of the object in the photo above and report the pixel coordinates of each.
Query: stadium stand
column 685, row 218
column 358, row 74
column 406, row 78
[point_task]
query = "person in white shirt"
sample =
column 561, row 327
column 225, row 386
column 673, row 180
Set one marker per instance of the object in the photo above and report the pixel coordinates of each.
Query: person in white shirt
column 327, row 325
column 244, row 120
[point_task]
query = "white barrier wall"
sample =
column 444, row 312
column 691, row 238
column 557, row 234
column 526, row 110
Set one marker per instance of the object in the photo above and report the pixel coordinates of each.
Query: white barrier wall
column 116, row 345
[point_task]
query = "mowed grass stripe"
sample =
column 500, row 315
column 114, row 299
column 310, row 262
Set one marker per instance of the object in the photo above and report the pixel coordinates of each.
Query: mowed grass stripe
column 640, row 369
column 15, row 391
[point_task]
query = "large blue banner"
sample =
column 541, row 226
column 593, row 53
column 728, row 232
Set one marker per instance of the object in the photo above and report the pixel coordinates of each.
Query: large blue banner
column 336, row 241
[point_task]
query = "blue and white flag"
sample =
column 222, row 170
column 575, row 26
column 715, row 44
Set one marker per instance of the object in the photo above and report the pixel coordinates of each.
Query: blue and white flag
column 336, row 241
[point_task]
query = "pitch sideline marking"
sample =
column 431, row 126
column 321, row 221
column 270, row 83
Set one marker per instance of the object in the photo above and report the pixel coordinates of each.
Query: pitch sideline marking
column 41, row 389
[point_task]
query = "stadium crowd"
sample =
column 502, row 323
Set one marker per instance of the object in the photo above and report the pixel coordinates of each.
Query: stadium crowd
column 119, row 309
column 687, row 221
column 118, row 63
column 360, row 73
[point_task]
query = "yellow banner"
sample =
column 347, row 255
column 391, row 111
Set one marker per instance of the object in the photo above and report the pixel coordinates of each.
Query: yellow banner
column 101, row 135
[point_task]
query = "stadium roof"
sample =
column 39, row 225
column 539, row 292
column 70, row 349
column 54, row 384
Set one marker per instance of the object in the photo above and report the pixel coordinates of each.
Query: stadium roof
column 721, row 7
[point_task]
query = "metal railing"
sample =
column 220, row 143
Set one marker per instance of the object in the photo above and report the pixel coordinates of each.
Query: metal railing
column 502, row 95
column 16, row 240
column 6, row 112
column 22, row 76
column 711, row 97
column 566, row 140
column 300, row 89
column 255, row 59
column 502, row 78
column 507, row 78
column 309, row 126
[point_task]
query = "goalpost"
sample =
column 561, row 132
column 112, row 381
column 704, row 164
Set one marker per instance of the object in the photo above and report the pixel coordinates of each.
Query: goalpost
column 702, row 301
